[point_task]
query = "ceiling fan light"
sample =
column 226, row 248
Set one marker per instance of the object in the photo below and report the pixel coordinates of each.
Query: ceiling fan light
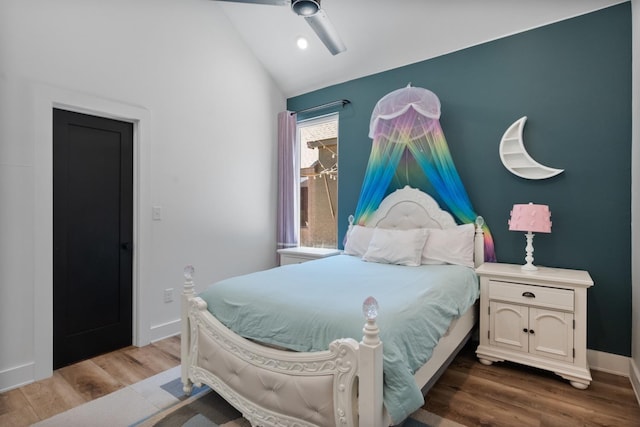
column 302, row 43
column 305, row 7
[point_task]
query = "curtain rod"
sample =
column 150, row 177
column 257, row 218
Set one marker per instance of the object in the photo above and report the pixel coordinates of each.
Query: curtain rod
column 341, row 102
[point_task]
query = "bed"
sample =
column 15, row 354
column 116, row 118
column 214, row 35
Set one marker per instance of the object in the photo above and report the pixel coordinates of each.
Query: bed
column 332, row 377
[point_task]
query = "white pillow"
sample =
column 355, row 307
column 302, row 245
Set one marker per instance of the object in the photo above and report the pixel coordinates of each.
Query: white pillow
column 358, row 239
column 403, row 247
column 450, row 246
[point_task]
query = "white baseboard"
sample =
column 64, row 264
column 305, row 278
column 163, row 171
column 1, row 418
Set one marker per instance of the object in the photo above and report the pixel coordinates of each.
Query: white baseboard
column 634, row 377
column 608, row 362
column 16, row 377
column 165, row 330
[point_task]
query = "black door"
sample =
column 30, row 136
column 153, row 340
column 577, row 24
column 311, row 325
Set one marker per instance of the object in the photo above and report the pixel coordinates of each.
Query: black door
column 92, row 236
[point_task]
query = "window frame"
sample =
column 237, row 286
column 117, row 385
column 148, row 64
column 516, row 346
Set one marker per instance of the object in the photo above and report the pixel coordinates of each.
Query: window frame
column 308, row 122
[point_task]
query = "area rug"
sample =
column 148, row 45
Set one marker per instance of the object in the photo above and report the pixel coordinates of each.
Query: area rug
column 208, row 409
column 126, row 406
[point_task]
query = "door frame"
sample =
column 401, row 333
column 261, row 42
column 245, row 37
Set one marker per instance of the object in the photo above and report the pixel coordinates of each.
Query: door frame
column 47, row 98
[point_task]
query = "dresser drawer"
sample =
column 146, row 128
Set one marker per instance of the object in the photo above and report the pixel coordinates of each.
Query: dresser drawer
column 288, row 259
column 541, row 296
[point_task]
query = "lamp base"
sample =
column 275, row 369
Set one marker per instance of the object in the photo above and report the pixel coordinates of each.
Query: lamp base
column 529, row 250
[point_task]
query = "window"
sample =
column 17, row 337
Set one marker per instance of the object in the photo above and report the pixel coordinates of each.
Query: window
column 318, row 139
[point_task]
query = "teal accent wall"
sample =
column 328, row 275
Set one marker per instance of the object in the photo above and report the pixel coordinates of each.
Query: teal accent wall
column 572, row 80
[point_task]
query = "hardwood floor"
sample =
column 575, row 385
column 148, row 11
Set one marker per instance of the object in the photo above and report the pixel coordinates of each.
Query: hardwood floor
column 507, row 394
column 470, row 393
column 79, row 383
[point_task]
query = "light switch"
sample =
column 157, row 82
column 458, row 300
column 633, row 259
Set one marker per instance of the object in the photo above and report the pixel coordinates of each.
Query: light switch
column 156, row 213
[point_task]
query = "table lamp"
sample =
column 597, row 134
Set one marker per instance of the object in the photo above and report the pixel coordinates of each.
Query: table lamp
column 532, row 219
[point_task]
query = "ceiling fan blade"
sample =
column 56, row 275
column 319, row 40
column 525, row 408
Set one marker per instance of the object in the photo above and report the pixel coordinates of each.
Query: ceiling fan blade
column 325, row 30
column 267, row 2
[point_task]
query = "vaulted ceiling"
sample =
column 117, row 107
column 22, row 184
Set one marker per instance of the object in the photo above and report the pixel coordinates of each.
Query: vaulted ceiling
column 384, row 34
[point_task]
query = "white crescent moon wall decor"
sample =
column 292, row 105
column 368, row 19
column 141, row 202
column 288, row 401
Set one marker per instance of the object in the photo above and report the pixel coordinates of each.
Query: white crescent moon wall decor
column 515, row 157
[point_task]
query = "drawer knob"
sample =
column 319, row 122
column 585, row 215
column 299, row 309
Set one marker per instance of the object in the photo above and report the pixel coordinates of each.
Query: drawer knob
column 528, row 294
column 525, row 330
column 531, row 331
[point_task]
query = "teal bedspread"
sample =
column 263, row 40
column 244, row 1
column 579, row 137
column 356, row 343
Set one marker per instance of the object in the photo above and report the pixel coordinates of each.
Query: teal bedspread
column 304, row 307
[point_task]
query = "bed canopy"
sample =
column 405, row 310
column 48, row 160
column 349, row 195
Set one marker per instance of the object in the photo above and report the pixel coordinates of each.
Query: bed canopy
column 405, row 123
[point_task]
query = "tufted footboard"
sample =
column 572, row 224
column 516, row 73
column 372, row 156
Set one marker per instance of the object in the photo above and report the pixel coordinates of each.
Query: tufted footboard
column 272, row 387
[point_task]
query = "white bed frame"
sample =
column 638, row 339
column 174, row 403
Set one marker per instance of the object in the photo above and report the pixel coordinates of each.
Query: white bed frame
column 341, row 386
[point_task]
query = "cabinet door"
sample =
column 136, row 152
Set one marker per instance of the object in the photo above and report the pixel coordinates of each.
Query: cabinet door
column 509, row 326
column 551, row 334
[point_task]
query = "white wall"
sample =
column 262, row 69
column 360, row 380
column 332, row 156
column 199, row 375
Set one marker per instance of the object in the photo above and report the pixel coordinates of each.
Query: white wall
column 205, row 118
column 635, row 202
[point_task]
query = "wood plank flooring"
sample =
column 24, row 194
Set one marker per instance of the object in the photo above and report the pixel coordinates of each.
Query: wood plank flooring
column 82, row 382
column 470, row 393
column 507, row 394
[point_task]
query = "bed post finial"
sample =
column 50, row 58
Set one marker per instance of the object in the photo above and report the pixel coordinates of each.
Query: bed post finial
column 370, row 310
column 478, row 251
column 188, row 277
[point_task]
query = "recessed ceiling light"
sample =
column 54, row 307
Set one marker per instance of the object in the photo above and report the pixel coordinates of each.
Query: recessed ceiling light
column 302, row 43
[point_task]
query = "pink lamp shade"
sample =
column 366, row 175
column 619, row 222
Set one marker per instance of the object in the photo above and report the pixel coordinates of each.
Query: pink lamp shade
column 530, row 217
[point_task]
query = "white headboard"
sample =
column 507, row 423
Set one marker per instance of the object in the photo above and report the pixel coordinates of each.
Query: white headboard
column 409, row 208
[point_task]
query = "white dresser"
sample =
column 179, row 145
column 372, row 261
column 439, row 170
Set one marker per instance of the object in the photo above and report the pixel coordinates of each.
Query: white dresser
column 302, row 254
column 537, row 318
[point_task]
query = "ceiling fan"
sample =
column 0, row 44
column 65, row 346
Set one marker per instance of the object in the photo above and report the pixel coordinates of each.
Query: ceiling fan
column 315, row 16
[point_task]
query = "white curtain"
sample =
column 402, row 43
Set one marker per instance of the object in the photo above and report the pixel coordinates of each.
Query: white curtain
column 288, row 181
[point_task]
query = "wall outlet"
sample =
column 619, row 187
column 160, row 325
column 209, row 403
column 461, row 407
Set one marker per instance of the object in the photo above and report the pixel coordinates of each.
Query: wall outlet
column 168, row 295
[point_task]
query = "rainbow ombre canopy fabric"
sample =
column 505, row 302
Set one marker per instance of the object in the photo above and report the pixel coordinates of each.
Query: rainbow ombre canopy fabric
column 403, row 122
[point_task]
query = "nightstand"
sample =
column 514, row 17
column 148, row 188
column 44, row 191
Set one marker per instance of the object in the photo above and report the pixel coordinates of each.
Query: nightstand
column 537, row 318
column 303, row 254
